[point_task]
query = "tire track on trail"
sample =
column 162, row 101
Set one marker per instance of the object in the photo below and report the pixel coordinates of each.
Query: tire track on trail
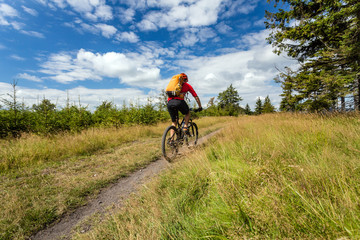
column 113, row 196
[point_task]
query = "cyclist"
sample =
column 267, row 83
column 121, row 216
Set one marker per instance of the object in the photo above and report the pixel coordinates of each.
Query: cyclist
column 177, row 103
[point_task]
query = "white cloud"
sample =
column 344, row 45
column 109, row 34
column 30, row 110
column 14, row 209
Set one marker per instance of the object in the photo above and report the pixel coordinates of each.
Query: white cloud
column 7, row 12
column 125, row 15
column 93, row 10
column 43, row 2
column 135, row 4
column 196, row 35
column 147, row 25
column 33, row 34
column 239, row 6
column 176, row 14
column 30, row 11
column 58, row 3
column 260, row 22
column 106, row 30
column 88, row 97
column 127, row 37
column 131, row 69
column 223, row 28
column 17, row 57
column 250, row 71
column 82, row 5
column 104, row 12
column 29, row 77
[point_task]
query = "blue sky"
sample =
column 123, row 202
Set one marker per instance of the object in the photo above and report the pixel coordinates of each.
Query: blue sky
column 126, row 51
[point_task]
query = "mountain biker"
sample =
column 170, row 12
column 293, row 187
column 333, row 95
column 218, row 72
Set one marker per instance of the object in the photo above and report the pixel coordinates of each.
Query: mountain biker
column 177, row 103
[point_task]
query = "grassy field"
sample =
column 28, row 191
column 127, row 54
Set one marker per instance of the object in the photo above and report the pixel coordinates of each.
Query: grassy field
column 280, row 176
column 42, row 178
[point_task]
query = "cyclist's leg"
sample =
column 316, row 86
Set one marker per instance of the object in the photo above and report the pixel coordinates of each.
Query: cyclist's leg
column 173, row 111
column 184, row 109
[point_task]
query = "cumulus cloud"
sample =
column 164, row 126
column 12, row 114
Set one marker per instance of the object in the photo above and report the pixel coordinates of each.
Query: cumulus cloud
column 88, row 97
column 131, row 69
column 125, row 15
column 106, row 30
column 177, row 14
column 127, row 37
column 250, row 71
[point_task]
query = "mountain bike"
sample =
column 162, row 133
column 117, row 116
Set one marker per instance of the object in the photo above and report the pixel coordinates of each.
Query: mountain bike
column 174, row 138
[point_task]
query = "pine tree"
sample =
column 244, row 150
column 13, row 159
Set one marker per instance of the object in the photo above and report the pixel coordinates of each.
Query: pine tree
column 229, row 101
column 323, row 36
column 268, row 107
column 247, row 110
column 258, row 106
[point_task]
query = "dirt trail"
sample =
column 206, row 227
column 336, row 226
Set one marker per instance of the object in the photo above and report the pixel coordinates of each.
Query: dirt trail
column 114, row 195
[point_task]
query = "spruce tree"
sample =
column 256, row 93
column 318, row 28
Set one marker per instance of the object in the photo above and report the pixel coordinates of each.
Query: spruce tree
column 229, row 101
column 258, row 106
column 268, row 107
column 247, row 110
column 324, row 37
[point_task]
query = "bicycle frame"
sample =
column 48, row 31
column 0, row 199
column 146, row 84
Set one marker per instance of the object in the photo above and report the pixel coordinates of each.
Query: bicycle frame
column 177, row 138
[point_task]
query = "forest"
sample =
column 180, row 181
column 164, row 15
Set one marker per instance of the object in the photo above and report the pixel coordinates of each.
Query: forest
column 324, row 37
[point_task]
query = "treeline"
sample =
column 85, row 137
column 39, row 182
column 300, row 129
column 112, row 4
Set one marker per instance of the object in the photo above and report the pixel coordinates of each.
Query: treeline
column 324, row 37
column 228, row 104
column 46, row 118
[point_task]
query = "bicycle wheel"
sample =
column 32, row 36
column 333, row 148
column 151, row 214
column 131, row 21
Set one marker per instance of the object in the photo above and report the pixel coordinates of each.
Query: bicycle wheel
column 170, row 143
column 192, row 137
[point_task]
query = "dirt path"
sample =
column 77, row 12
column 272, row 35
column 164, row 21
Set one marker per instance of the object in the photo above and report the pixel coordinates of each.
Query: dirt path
column 114, row 195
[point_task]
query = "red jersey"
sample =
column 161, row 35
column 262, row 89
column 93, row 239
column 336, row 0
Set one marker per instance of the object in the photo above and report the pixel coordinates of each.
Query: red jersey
column 185, row 88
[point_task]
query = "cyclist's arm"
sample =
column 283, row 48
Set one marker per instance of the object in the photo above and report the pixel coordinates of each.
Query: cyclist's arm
column 194, row 94
column 198, row 101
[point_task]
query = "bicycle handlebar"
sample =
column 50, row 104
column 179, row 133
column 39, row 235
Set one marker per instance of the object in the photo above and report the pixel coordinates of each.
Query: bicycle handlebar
column 196, row 110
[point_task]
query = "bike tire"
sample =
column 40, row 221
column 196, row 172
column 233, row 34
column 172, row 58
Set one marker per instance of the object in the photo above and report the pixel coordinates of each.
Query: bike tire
column 193, row 135
column 169, row 144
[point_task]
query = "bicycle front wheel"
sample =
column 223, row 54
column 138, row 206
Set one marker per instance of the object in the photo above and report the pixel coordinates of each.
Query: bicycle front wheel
column 193, row 134
column 170, row 143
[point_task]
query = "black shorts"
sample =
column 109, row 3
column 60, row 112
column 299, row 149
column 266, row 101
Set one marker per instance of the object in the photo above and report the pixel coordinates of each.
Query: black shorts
column 175, row 105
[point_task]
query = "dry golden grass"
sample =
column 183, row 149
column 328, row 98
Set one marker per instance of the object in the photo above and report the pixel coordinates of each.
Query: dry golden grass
column 278, row 176
column 44, row 177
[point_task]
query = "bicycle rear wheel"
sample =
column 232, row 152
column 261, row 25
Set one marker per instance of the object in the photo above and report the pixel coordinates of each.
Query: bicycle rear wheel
column 193, row 135
column 170, row 143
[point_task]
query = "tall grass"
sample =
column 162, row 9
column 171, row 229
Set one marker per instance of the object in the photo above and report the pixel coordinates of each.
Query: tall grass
column 42, row 178
column 280, row 176
column 33, row 149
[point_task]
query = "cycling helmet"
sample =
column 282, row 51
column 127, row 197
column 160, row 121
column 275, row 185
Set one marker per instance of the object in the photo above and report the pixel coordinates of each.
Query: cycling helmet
column 184, row 76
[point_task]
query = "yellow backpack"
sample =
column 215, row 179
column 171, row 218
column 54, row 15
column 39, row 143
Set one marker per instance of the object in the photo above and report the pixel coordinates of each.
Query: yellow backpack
column 174, row 87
